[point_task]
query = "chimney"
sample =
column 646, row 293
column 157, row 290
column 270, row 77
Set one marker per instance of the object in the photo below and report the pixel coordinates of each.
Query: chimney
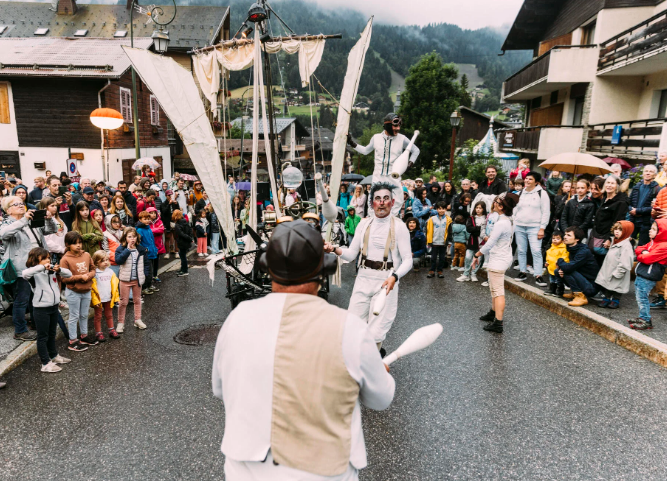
column 66, row 7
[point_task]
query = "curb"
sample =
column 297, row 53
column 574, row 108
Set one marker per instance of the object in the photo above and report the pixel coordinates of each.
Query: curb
column 642, row 345
column 28, row 349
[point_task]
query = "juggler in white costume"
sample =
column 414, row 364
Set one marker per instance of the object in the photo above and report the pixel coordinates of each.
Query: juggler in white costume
column 370, row 280
column 387, row 149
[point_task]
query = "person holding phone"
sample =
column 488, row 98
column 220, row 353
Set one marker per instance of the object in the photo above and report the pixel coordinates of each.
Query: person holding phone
column 63, row 199
column 18, row 239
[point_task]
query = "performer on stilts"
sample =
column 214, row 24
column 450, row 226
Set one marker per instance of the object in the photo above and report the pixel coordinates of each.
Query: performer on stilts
column 386, row 256
column 388, row 146
column 292, row 370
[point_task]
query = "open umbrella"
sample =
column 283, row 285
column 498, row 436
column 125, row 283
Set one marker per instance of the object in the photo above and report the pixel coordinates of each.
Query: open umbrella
column 368, row 180
column 149, row 161
column 576, row 163
column 613, row 160
column 352, row 177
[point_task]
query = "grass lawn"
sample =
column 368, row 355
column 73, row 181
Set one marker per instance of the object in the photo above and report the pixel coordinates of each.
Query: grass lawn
column 304, row 110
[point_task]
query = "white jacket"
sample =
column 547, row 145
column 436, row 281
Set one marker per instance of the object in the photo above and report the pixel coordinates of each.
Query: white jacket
column 46, row 291
column 533, row 209
column 387, row 150
column 498, row 249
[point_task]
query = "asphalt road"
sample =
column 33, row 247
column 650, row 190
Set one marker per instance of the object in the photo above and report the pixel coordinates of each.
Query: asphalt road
column 545, row 400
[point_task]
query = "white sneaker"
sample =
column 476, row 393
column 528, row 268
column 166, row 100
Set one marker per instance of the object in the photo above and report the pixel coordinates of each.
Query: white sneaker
column 166, row 256
column 120, row 327
column 60, row 360
column 516, row 267
column 454, row 268
column 461, row 269
column 473, row 278
column 485, row 283
column 463, row 279
column 567, row 288
column 51, row 367
column 530, row 270
column 139, row 324
column 200, row 255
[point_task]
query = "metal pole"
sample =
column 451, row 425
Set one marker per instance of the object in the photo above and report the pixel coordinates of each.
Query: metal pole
column 451, row 155
column 135, row 111
column 242, row 141
column 269, row 82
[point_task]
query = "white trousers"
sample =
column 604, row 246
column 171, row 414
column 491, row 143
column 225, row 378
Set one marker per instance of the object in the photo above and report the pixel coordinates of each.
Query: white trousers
column 398, row 194
column 366, row 289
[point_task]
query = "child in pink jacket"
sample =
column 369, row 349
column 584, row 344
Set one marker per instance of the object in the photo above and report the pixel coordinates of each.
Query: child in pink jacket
column 157, row 227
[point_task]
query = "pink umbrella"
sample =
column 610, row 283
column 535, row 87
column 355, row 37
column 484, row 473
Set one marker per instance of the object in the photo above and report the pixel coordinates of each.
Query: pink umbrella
column 613, row 160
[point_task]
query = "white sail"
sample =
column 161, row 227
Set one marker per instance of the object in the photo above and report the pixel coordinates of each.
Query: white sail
column 178, row 95
column 355, row 65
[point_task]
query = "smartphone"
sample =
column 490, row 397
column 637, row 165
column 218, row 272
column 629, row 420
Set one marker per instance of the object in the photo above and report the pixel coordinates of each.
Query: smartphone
column 38, row 218
column 61, row 190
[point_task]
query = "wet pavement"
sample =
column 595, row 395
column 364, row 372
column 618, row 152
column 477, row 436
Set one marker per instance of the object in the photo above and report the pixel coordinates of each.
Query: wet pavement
column 545, row 400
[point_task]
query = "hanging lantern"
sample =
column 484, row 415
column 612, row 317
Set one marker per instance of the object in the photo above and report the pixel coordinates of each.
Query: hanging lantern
column 292, row 177
column 108, row 119
column 160, row 40
column 256, row 13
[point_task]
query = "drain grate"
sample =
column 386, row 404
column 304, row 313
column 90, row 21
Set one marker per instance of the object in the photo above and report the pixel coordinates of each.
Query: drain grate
column 198, row 335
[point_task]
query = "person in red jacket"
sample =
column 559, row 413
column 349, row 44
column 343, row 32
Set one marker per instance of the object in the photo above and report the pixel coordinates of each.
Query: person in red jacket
column 157, row 227
column 522, row 170
column 651, row 263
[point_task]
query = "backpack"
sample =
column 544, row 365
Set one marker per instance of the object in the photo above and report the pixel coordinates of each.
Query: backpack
column 8, row 276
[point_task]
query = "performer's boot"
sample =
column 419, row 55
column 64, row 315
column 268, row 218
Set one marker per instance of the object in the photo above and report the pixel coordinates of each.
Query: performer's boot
column 489, row 316
column 495, row 326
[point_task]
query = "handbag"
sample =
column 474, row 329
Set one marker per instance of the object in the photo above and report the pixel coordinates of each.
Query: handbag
column 598, row 246
column 8, row 273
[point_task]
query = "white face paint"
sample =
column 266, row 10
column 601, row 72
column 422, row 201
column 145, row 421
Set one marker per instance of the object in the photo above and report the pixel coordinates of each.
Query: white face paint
column 383, row 201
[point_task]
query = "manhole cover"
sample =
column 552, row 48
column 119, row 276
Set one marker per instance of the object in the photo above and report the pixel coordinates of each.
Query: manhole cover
column 198, row 335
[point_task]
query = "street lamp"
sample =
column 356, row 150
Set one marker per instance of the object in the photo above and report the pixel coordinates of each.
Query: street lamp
column 454, row 120
column 161, row 40
column 106, row 119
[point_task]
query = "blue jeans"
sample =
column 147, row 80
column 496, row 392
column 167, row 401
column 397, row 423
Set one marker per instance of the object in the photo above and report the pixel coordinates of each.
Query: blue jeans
column 642, row 289
column 21, row 291
column 79, row 304
column 470, row 256
column 524, row 236
column 578, row 283
column 215, row 242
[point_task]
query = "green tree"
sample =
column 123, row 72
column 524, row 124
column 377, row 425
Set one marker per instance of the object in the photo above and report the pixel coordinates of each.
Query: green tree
column 366, row 163
column 466, row 100
column 471, row 165
column 431, row 95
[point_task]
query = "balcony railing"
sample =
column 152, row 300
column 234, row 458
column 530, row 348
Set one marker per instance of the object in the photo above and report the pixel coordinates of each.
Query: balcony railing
column 538, row 69
column 641, row 39
column 637, row 139
column 526, row 139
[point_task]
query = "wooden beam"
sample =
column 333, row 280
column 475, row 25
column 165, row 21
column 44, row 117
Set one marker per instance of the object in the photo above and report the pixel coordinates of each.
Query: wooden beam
column 245, row 41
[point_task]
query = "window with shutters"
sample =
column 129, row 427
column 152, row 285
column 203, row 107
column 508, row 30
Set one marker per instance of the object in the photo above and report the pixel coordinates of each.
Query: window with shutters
column 155, row 111
column 126, row 104
column 4, row 104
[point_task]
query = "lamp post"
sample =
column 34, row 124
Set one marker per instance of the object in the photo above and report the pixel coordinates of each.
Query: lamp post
column 106, row 119
column 454, row 120
column 161, row 40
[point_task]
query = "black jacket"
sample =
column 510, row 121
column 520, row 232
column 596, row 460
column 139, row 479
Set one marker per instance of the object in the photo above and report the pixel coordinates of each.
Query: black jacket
column 131, row 202
column 183, row 234
column 433, row 196
column 578, row 213
column 643, row 211
column 475, row 231
column 201, row 204
column 581, row 261
column 166, row 209
column 35, row 195
column 610, row 212
column 497, row 187
column 558, row 206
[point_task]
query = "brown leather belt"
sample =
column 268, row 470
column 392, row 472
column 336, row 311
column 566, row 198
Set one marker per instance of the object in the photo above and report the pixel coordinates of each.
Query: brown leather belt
column 376, row 265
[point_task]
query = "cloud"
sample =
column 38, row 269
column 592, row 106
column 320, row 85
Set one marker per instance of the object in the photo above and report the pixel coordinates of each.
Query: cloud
column 468, row 14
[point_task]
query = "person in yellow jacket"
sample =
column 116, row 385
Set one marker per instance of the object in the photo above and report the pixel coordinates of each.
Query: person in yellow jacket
column 438, row 233
column 558, row 250
column 105, row 293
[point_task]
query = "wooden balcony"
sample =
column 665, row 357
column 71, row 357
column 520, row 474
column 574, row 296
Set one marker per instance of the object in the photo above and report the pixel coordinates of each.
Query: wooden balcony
column 639, row 139
column 556, row 69
column 544, row 141
column 639, row 50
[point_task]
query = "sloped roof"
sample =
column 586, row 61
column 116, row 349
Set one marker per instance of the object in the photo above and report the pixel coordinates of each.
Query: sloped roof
column 66, row 57
column 531, row 23
column 498, row 124
column 281, row 123
column 193, row 26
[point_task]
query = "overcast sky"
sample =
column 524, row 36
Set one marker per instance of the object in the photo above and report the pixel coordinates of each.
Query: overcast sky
column 469, row 14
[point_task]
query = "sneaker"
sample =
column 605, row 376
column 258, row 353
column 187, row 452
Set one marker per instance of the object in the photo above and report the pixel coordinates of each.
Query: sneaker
column 641, row 325
column 463, row 279
column 51, row 367
column 461, row 269
column 76, row 346
column 567, row 288
column 26, row 336
column 539, row 280
column 659, row 303
column 120, row 327
column 146, row 292
column 166, row 256
column 440, row 275
column 60, row 360
column 154, row 289
column 516, row 267
column 489, row 316
column 485, row 284
column 139, row 324
column 473, row 278
column 181, row 274
column 495, row 326
column 88, row 340
column 521, row 277
column 605, row 303
column 113, row 334
column 454, row 268
column 614, row 304
column 530, row 270
column 156, row 279
column 430, row 274
column 416, row 269
column 100, row 337
column 200, row 255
